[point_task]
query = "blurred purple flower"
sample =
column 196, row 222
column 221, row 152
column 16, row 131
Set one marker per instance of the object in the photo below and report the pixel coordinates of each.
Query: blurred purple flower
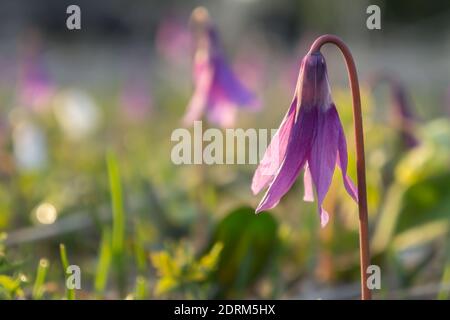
column 310, row 137
column 217, row 90
column 402, row 115
column 36, row 87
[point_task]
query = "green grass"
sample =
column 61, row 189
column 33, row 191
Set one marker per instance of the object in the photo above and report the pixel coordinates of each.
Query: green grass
column 118, row 222
column 70, row 292
column 103, row 264
column 39, row 283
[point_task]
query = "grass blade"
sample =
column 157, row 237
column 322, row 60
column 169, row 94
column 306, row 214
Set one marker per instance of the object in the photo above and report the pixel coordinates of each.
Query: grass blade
column 104, row 263
column 141, row 288
column 118, row 223
column 41, row 274
column 444, row 292
column 70, row 293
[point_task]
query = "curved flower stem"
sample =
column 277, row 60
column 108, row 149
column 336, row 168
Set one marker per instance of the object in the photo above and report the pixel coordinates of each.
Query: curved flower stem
column 360, row 161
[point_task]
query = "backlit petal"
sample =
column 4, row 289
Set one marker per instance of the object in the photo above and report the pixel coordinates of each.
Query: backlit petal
column 297, row 150
column 324, row 217
column 203, row 75
column 342, row 159
column 222, row 113
column 308, row 185
column 275, row 152
column 232, row 88
column 322, row 161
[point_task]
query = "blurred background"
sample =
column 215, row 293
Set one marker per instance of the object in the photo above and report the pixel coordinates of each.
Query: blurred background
column 86, row 177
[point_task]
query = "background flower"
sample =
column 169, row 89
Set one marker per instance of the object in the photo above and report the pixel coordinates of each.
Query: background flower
column 217, row 90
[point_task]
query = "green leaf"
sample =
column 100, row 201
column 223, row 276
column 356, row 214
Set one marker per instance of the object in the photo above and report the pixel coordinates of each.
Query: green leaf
column 425, row 201
column 249, row 241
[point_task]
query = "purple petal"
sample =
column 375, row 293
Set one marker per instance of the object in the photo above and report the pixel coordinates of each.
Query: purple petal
column 297, row 150
column 342, row 160
column 231, row 87
column 324, row 217
column 323, row 155
column 221, row 113
column 275, row 152
column 203, row 75
column 307, row 182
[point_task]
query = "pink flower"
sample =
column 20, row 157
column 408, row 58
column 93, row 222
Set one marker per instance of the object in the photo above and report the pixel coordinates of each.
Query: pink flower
column 37, row 88
column 217, row 90
column 310, row 137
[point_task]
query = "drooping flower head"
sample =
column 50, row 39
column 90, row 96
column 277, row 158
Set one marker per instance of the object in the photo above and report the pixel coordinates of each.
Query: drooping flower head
column 311, row 138
column 402, row 113
column 218, row 92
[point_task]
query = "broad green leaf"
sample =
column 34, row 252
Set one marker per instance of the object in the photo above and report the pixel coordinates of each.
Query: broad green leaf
column 249, row 242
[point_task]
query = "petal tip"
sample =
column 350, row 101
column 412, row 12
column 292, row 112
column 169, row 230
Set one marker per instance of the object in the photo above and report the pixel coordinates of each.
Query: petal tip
column 324, row 217
column 254, row 187
column 258, row 210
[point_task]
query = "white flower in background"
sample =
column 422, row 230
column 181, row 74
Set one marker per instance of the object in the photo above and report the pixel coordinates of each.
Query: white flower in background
column 77, row 113
column 30, row 146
